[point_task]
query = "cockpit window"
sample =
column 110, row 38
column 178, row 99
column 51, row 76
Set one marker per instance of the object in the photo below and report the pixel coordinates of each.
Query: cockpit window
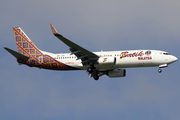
column 166, row 53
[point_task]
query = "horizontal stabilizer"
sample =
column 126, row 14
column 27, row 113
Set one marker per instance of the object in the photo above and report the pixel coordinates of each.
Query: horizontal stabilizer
column 16, row 54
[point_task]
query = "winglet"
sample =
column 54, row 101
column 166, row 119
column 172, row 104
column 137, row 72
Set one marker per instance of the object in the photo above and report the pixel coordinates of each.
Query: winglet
column 53, row 30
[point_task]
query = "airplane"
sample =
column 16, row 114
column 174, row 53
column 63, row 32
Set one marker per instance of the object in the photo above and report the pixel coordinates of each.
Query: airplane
column 110, row 63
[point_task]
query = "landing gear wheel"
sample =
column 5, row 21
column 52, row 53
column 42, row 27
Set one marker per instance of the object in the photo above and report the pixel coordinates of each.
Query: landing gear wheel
column 96, row 77
column 159, row 70
column 90, row 69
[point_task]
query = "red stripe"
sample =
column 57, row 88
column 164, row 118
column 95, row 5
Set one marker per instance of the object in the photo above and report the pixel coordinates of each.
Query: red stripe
column 22, row 48
column 27, row 52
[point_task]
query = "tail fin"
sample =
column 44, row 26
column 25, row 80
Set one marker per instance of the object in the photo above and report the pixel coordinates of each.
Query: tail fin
column 24, row 44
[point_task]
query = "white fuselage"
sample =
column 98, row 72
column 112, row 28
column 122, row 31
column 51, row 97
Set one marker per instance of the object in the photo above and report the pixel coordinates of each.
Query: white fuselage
column 124, row 59
column 96, row 63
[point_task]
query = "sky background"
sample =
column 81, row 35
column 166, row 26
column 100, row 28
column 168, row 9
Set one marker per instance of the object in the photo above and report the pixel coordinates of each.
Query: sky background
column 144, row 94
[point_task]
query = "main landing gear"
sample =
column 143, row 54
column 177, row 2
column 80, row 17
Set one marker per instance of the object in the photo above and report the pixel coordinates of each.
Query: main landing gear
column 93, row 72
column 90, row 69
column 96, row 77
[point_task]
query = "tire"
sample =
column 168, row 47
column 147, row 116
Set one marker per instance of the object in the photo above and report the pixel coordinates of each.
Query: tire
column 159, row 70
column 96, row 77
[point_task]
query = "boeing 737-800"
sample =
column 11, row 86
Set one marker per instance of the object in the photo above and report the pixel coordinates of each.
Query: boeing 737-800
column 110, row 63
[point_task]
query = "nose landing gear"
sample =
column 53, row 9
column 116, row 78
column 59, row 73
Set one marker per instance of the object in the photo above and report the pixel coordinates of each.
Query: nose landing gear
column 159, row 70
column 162, row 66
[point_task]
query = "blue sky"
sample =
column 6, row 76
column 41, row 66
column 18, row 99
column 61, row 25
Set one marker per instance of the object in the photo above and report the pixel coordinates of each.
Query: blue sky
column 32, row 93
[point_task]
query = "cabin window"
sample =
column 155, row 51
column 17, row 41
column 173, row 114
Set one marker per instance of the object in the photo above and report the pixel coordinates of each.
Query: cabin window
column 166, row 53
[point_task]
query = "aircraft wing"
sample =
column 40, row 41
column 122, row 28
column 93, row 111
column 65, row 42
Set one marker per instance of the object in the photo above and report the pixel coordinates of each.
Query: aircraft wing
column 80, row 52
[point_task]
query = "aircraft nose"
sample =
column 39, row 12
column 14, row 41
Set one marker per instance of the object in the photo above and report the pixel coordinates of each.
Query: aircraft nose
column 174, row 59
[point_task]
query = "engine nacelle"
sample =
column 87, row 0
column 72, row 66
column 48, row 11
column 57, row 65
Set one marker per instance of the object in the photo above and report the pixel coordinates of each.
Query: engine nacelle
column 107, row 61
column 117, row 73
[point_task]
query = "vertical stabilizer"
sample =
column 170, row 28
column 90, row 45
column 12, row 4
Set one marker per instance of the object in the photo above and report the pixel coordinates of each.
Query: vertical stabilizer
column 24, row 44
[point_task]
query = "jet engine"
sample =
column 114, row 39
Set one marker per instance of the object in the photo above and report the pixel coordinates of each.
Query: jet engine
column 117, row 73
column 107, row 61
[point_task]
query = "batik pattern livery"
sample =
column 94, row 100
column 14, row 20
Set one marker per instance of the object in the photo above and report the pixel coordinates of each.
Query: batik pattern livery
column 37, row 58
